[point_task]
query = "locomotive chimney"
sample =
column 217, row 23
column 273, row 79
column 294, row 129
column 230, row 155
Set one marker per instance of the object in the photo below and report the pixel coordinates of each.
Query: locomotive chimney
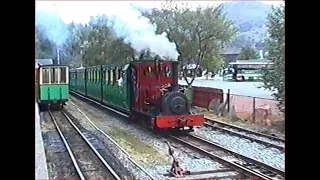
column 175, row 75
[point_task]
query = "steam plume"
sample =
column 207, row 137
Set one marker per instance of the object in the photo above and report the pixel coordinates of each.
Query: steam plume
column 141, row 34
column 54, row 28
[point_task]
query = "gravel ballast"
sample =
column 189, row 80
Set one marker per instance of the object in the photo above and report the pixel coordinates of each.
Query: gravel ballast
column 147, row 149
column 268, row 155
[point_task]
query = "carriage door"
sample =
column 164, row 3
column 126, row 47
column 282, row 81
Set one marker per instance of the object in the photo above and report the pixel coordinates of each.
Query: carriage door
column 36, row 83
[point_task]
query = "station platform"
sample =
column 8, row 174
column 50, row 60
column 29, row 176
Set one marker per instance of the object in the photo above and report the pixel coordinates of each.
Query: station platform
column 41, row 162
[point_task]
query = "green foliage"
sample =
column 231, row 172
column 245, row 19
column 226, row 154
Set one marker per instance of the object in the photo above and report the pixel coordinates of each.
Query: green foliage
column 248, row 53
column 213, row 63
column 199, row 34
column 274, row 80
column 103, row 46
column 44, row 47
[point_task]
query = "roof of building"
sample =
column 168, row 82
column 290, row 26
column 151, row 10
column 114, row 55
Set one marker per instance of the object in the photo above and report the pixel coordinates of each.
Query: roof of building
column 44, row 61
column 231, row 50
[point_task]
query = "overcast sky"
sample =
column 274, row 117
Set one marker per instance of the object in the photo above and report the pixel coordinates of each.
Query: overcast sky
column 80, row 11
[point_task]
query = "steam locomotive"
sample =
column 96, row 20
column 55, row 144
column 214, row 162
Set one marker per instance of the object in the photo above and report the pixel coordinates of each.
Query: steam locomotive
column 146, row 90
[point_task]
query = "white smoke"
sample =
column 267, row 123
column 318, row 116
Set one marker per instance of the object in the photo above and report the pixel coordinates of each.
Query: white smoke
column 126, row 21
column 54, row 28
column 140, row 33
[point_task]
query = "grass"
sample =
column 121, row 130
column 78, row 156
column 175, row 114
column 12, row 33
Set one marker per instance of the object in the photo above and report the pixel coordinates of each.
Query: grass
column 274, row 129
column 138, row 149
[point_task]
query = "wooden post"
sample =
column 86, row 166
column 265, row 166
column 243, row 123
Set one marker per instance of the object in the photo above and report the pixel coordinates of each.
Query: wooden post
column 208, row 101
column 254, row 110
column 228, row 100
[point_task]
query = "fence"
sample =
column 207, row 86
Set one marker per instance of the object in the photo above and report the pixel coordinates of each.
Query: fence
column 254, row 109
column 257, row 110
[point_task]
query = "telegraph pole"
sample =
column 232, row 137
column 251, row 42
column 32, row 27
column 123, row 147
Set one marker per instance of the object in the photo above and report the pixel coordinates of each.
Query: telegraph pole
column 57, row 46
column 58, row 55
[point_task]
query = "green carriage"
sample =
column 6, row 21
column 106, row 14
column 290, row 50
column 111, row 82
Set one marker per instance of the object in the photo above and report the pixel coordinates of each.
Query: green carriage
column 53, row 86
column 116, row 87
column 102, row 83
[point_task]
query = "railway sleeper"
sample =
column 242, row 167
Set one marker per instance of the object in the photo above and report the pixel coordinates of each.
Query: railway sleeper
column 260, row 169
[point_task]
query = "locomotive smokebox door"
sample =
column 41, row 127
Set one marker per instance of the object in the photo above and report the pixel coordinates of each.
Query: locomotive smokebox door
column 175, row 103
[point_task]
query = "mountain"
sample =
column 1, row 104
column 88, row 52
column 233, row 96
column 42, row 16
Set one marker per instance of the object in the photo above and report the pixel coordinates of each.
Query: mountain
column 250, row 18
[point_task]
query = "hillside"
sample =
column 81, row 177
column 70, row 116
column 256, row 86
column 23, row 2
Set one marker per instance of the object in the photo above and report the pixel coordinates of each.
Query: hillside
column 250, row 18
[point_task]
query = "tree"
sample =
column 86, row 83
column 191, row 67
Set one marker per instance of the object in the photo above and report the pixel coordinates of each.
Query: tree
column 248, row 53
column 274, row 80
column 199, row 34
column 44, row 47
column 103, row 46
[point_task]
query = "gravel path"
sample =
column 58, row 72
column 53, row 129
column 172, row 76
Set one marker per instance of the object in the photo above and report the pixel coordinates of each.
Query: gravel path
column 145, row 148
column 270, row 156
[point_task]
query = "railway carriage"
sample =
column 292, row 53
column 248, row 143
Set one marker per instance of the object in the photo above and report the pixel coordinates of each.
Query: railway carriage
column 146, row 90
column 52, row 88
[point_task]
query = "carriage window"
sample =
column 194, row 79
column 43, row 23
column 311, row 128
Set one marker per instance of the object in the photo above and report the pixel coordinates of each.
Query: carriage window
column 88, row 75
column 115, row 76
column 120, row 73
column 124, row 78
column 93, row 75
column 98, row 76
column 45, row 76
column 102, row 76
column 111, row 76
column 63, row 77
column 54, row 74
column 57, row 75
column 107, row 76
column 168, row 72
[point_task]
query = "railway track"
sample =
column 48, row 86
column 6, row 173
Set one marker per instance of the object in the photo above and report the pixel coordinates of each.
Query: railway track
column 267, row 140
column 87, row 160
column 115, row 143
column 242, row 164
